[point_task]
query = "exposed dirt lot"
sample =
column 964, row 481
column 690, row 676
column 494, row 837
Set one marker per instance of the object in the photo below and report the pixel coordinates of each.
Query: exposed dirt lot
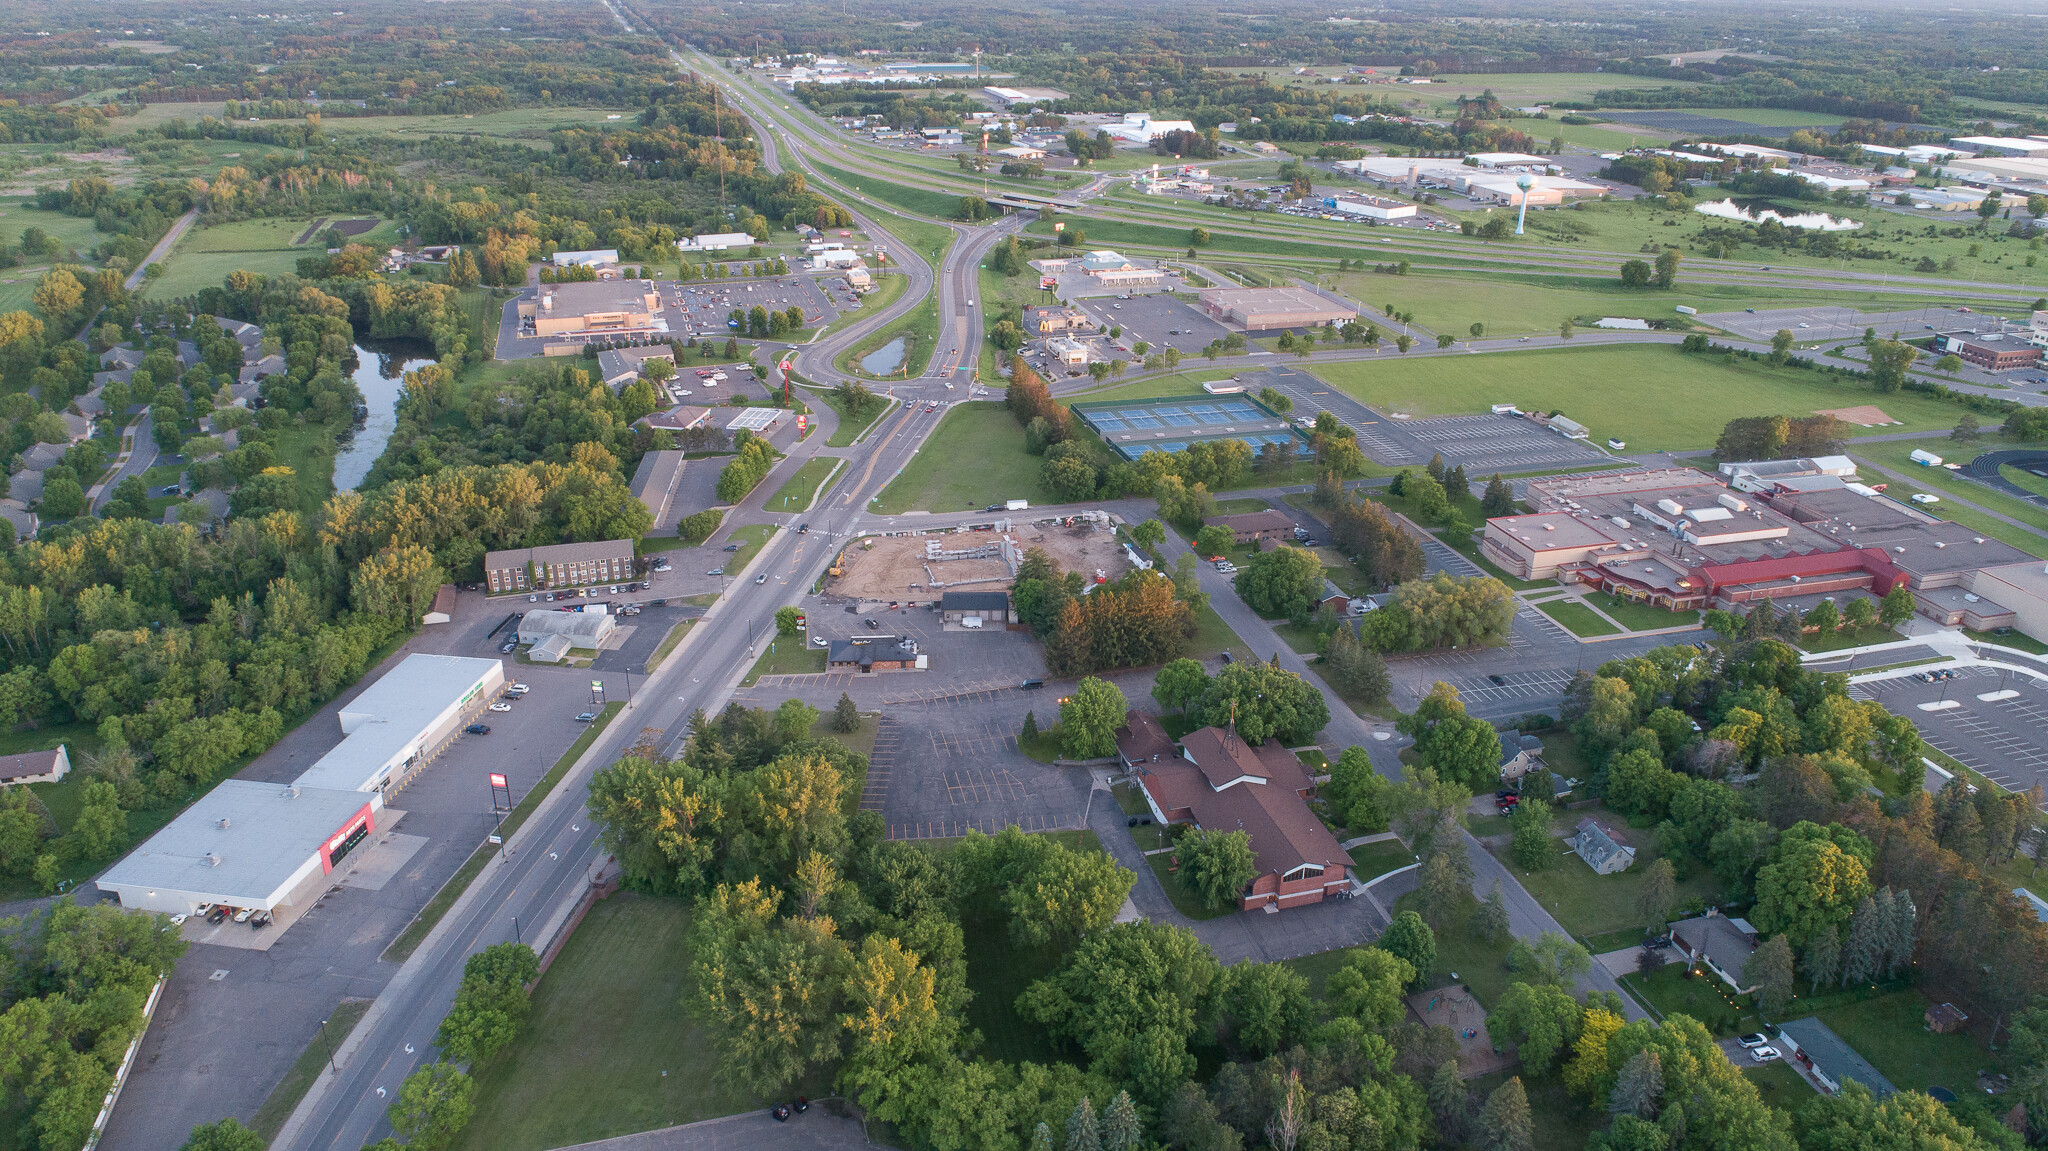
column 895, row 568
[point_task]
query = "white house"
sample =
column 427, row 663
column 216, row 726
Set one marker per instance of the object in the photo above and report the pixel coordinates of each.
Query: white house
column 35, row 766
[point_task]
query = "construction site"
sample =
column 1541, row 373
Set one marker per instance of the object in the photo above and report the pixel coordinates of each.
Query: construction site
column 917, row 567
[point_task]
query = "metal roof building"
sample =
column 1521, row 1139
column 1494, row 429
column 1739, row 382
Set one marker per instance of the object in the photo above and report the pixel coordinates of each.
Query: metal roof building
column 584, row 629
column 397, row 723
column 244, row 844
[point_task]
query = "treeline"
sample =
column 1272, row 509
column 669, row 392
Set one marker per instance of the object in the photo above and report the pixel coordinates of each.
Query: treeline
column 747, row 469
column 1141, row 619
column 73, row 980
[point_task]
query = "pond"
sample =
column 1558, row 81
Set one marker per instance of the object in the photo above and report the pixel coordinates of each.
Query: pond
column 380, row 369
column 885, row 359
column 1821, row 221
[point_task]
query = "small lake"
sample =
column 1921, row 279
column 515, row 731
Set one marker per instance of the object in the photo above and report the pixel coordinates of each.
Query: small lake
column 380, row 369
column 1820, row 221
column 883, row 360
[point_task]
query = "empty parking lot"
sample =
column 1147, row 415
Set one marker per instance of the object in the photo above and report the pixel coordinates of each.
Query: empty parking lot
column 2004, row 740
column 1483, row 444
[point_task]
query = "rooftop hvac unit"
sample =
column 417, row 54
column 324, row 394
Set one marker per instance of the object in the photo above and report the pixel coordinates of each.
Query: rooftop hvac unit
column 291, row 791
column 1670, row 506
column 212, row 859
column 223, row 824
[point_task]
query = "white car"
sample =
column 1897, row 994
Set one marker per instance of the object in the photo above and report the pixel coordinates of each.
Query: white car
column 1924, row 498
column 243, row 915
column 533, row 599
column 179, row 918
column 820, row 641
column 1752, row 1042
column 1764, row 1054
column 501, row 707
column 517, row 689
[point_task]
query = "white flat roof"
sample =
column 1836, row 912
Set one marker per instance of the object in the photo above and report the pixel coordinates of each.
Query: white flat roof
column 755, row 419
column 394, row 712
column 270, row 834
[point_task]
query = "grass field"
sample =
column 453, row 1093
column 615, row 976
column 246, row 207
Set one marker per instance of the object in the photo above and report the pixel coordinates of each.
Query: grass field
column 1589, row 904
column 2024, row 479
column 260, row 235
column 1376, row 859
column 1515, row 305
column 975, row 457
column 851, row 428
column 1480, row 965
column 1675, row 400
column 1183, row 897
column 1703, row 996
column 1638, row 616
column 801, row 491
column 609, row 1049
column 1577, row 618
column 917, row 201
column 528, row 126
column 1889, row 1032
column 187, row 272
column 922, row 236
column 751, row 538
column 668, row 644
column 787, row 655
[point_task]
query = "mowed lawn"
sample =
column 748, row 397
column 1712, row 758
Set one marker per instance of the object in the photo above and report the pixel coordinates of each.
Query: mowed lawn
column 186, row 272
column 976, row 457
column 1515, row 305
column 1652, row 396
column 608, row 1021
column 261, row 235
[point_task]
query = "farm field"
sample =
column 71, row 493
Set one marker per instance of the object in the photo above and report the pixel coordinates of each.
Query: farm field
column 1676, row 401
column 519, row 125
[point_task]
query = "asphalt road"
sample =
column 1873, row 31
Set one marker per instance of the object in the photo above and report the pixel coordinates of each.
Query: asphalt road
column 141, row 457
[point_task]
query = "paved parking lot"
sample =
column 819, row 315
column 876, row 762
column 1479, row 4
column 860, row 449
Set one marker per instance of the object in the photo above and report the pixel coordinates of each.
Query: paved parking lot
column 1159, row 319
column 701, row 309
column 1837, row 323
column 2005, row 740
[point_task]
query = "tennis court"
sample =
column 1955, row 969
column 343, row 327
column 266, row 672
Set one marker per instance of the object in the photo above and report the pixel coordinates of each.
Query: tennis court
column 1173, row 424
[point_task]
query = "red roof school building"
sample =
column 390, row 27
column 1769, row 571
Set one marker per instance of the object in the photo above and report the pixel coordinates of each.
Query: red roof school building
column 1217, row 782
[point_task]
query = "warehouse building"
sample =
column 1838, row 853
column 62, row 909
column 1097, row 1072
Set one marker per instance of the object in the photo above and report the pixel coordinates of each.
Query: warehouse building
column 594, row 258
column 716, row 242
column 1371, row 207
column 600, row 308
column 269, row 846
column 558, row 566
column 1263, row 309
column 585, row 630
column 1992, row 357
column 398, row 724
column 245, row 844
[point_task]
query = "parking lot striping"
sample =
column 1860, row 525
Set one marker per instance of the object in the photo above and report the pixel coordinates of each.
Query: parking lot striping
column 987, row 825
column 874, row 792
column 982, row 785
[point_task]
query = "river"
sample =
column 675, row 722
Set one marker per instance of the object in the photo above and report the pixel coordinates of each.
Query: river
column 380, row 369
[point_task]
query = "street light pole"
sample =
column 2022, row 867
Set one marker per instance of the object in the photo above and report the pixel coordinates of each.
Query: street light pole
column 330, row 1048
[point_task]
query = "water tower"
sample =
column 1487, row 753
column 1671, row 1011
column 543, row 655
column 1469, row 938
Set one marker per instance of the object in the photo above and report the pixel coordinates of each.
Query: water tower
column 1524, row 182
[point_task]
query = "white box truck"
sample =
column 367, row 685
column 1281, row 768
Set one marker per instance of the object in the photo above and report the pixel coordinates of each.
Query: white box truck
column 1020, row 505
column 1924, row 458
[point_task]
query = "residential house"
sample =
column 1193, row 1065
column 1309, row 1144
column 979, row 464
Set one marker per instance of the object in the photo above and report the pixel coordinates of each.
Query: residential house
column 1830, row 1060
column 1601, row 851
column 24, row 522
column 1220, row 783
column 35, row 766
column 443, row 608
column 1718, row 943
column 1248, row 527
column 270, row 365
column 1520, row 754
column 680, row 418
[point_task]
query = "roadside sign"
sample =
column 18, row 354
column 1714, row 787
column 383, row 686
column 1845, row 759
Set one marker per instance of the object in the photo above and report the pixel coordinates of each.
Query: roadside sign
column 498, row 780
column 597, row 685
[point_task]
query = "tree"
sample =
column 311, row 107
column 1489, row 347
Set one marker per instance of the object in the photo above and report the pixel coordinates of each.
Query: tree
column 1369, row 985
column 1148, row 535
column 1809, row 883
column 1553, row 959
column 1458, row 747
column 1781, row 346
column 1218, row 865
column 1355, row 670
column 1267, row 1005
column 1504, row 1121
column 1822, row 963
column 490, row 1004
column 1089, row 719
column 1532, row 845
column 1542, row 1021
column 786, row 620
column 845, row 716
column 1769, row 970
column 1180, row 684
column 1635, row 274
column 1411, row 939
column 1213, row 539
column 1659, row 890
column 434, row 1104
column 1084, row 1131
column 1889, row 362
column 1450, row 1101
column 972, row 209
column 1477, row 329
column 1121, row 982
column 1490, row 921
column 1286, row 581
column 1639, row 1088
column 1121, row 1130
column 1265, row 702
column 1667, row 268
column 1499, row 499
column 1897, row 606
column 1856, row 1121
column 226, row 1135
column 1357, row 795
column 1198, row 237
column 1404, row 341
column 1823, row 618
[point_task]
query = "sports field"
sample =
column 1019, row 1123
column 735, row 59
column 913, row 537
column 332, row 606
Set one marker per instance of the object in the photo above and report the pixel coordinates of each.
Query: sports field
column 1652, row 396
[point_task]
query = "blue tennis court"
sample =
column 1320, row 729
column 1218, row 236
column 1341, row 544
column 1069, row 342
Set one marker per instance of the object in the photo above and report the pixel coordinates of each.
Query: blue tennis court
column 1172, row 424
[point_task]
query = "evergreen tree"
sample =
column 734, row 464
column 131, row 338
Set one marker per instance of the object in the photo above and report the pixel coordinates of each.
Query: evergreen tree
column 1504, row 1123
column 1823, row 962
column 1030, row 728
column 1762, row 620
column 1084, row 1133
column 1640, row 1086
column 1449, row 1101
column 1120, row 1128
column 1456, row 485
column 845, row 716
column 1863, row 955
column 1041, row 1139
column 1499, row 499
column 1436, row 467
column 1490, row 922
column 1904, row 930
